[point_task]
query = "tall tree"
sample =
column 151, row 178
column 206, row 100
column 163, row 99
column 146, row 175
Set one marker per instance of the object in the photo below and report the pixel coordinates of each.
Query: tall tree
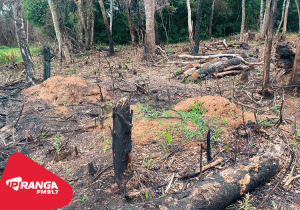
column 111, row 11
column 197, row 31
column 268, row 51
column 285, row 17
column 61, row 45
column 295, row 77
column 264, row 28
column 150, row 31
column 211, row 18
column 23, row 44
column 243, row 20
column 131, row 24
column 110, row 39
column 297, row 5
column 282, row 17
column 261, row 13
column 190, row 25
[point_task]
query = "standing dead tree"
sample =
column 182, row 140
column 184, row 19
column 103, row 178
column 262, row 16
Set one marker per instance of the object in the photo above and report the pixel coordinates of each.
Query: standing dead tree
column 268, row 51
column 197, row 31
column 23, row 44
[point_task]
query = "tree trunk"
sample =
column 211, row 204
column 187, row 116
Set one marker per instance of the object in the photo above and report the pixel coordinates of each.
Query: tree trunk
column 131, row 24
column 219, row 190
column 140, row 20
column 282, row 15
column 92, row 29
column 263, row 30
column 297, row 5
column 243, row 20
column 190, row 25
column 197, row 32
column 24, row 48
column 285, row 18
column 268, row 51
column 295, row 77
column 110, row 39
column 261, row 14
column 111, row 11
column 150, row 29
column 61, row 45
column 157, row 38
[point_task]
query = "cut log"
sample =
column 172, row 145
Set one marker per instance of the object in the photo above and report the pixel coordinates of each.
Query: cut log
column 219, row 66
column 220, row 190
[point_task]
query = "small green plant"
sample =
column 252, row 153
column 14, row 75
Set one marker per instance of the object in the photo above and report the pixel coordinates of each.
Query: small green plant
column 231, row 111
column 83, row 198
column 170, row 51
column 169, row 136
column 224, row 120
column 127, row 61
column 227, row 78
column 125, row 66
column 57, row 139
column 166, row 151
column 68, row 172
column 72, row 70
column 43, row 135
column 276, row 108
column 94, row 70
column 227, row 148
column 106, row 143
column 259, row 70
column 147, row 196
column 147, row 162
column 245, row 205
column 297, row 132
column 178, row 71
column 64, row 101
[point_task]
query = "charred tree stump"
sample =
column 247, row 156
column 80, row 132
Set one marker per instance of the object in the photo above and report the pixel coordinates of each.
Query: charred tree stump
column 220, row 190
column 47, row 58
column 121, row 135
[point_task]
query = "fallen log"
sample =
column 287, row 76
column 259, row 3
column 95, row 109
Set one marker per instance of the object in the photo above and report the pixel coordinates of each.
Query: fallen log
column 225, row 73
column 220, row 190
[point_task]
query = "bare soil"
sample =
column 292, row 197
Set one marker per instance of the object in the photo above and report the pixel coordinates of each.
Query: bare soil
column 69, row 106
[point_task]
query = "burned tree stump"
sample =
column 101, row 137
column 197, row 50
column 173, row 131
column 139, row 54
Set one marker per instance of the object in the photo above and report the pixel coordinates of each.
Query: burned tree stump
column 284, row 57
column 47, row 59
column 121, row 135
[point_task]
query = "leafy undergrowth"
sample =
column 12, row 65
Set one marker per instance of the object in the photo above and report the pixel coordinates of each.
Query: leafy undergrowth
column 10, row 55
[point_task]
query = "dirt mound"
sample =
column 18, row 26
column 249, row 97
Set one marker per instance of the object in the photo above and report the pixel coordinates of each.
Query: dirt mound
column 60, row 90
column 217, row 107
column 220, row 112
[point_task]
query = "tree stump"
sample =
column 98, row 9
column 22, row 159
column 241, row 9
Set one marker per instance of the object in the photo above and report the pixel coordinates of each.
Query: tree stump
column 47, row 58
column 121, row 135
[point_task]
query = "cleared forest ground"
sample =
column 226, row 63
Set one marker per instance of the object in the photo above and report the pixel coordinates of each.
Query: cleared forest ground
column 171, row 114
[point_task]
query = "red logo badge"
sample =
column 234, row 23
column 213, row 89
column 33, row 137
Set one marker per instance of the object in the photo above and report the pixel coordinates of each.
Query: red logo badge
column 27, row 185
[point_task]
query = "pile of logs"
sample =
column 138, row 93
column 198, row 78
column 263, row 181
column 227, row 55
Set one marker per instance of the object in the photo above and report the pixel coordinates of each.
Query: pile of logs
column 218, row 65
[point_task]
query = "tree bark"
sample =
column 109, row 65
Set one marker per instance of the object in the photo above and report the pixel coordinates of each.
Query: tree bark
column 190, row 25
column 295, row 77
column 263, row 30
column 243, row 20
column 24, row 48
column 61, row 45
column 150, row 29
column 285, row 18
column 261, row 13
column 197, row 32
column 111, row 11
column 268, row 51
column 131, row 24
column 219, row 190
column 141, row 29
column 297, row 5
column 110, row 39
column 282, row 16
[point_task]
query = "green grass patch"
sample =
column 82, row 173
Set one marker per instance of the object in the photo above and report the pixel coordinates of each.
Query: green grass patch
column 11, row 55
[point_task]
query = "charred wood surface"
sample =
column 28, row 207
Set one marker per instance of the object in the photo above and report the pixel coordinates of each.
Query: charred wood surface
column 121, row 135
column 221, row 189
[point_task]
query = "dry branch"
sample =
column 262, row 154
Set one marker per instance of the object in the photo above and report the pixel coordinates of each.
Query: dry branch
column 222, row 74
